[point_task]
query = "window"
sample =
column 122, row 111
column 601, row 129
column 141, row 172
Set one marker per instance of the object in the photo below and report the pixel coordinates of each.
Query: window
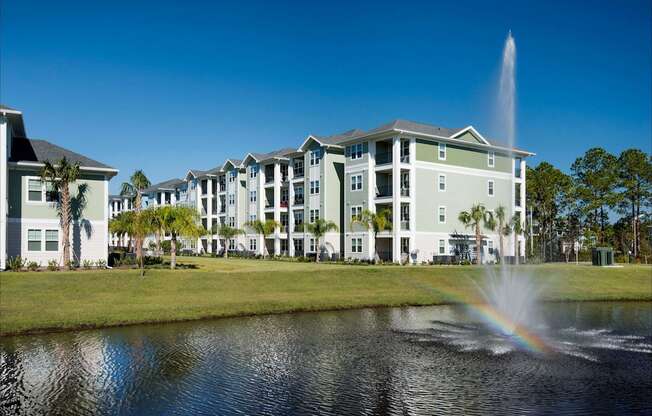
column 231, row 199
column 442, row 183
column 51, row 240
column 252, row 196
column 253, row 171
column 51, row 195
column 442, row 247
column 490, row 187
column 298, row 168
column 232, row 175
column 315, row 156
column 34, row 240
column 490, row 246
column 285, row 192
column 252, row 244
column 405, row 245
column 356, row 151
column 356, row 212
column 517, row 194
column 356, row 245
column 313, row 245
column 441, row 215
column 252, row 217
column 231, row 221
column 231, row 244
column 517, row 167
column 356, row 182
column 298, row 245
column 491, row 159
column 442, row 151
column 314, row 215
column 314, row 187
column 405, row 151
column 35, row 190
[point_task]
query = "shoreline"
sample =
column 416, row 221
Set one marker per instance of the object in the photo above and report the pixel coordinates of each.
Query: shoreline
column 91, row 327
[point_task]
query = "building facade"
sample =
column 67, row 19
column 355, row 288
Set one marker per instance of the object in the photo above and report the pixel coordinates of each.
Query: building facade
column 30, row 226
column 423, row 175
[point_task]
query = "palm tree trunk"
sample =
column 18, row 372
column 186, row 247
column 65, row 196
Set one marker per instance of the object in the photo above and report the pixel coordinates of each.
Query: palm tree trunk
column 139, row 240
column 317, row 251
column 65, row 225
column 158, row 243
column 173, row 252
column 516, row 253
column 500, row 256
column 478, row 244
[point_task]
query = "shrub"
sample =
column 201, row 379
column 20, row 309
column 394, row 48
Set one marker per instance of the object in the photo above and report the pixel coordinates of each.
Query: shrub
column 53, row 265
column 15, row 264
column 87, row 264
column 33, row 266
column 101, row 264
column 150, row 261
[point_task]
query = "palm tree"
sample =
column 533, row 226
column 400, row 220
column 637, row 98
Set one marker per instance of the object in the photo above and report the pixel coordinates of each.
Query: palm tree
column 517, row 228
column 120, row 225
column 475, row 219
column 135, row 187
column 227, row 233
column 318, row 229
column 180, row 221
column 264, row 228
column 503, row 228
column 376, row 222
column 153, row 217
column 60, row 177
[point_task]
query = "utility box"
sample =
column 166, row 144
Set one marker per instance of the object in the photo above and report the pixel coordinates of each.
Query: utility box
column 602, row 256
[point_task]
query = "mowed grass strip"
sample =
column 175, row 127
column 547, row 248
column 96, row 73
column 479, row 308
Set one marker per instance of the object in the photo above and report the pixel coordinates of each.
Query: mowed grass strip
column 47, row 301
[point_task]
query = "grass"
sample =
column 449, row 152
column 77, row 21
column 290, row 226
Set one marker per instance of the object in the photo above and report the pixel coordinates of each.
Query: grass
column 50, row 301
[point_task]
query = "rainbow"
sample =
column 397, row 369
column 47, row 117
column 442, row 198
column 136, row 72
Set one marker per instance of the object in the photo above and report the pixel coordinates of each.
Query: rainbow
column 497, row 320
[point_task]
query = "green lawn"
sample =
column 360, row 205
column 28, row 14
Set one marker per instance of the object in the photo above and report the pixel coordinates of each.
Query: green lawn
column 34, row 301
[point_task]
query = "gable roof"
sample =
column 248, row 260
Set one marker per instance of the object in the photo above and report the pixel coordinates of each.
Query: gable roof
column 39, row 151
column 275, row 154
column 412, row 126
column 169, row 185
column 233, row 162
column 333, row 140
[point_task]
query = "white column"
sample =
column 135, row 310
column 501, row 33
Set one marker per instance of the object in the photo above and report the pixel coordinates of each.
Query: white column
column 371, row 195
column 3, row 191
column 290, row 209
column 199, row 206
column 413, row 188
column 209, row 214
column 277, row 206
column 396, row 199
column 260, row 202
column 173, row 198
column 523, row 210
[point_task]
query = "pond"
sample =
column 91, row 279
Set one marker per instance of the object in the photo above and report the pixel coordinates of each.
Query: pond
column 372, row 361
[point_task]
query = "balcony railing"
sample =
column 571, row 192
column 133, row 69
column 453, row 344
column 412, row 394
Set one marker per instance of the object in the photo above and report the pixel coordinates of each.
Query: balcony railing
column 269, row 204
column 222, row 209
column 405, row 158
column 405, row 191
column 222, row 187
column 384, row 191
column 269, row 179
column 405, row 225
column 284, row 228
column 298, row 173
column 298, row 200
column 284, row 204
column 383, row 158
column 298, row 228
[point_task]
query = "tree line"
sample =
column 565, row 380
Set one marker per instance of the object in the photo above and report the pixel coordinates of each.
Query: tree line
column 605, row 200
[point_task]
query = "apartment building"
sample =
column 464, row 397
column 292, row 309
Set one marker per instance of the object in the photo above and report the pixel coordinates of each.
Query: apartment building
column 117, row 205
column 425, row 176
column 422, row 174
column 29, row 223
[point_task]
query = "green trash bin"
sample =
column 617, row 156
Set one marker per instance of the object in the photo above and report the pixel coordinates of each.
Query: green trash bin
column 602, row 256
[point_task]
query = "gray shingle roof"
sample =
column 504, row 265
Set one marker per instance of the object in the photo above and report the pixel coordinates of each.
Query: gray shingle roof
column 33, row 150
column 337, row 138
column 423, row 128
column 165, row 185
column 273, row 154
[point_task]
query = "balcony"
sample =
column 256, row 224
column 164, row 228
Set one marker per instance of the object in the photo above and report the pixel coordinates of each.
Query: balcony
column 222, row 209
column 405, row 225
column 298, row 228
column 405, row 191
column 405, row 158
column 298, row 200
column 284, row 204
column 284, row 228
column 298, row 173
column 383, row 158
column 269, row 204
column 384, row 191
column 222, row 187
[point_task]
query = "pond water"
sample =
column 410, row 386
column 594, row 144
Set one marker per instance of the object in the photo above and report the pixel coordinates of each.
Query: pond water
column 428, row 360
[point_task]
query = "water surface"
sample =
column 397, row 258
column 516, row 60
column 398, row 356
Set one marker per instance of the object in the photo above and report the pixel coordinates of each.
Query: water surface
column 428, row 360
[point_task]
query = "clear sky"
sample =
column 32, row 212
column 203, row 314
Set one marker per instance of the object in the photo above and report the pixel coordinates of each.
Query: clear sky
column 169, row 85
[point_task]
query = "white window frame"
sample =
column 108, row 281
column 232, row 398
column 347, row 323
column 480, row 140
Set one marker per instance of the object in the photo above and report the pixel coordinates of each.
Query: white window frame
column 44, row 191
column 491, row 188
column 232, row 175
column 441, row 147
column 491, row 159
column 356, row 185
column 490, row 246
column 356, row 151
column 252, row 217
column 356, row 245
column 314, row 187
column 253, row 244
column 314, row 215
column 231, row 199
column 356, row 212
column 40, row 240
column 45, row 243
column 231, row 244
column 439, row 208
column 313, row 245
column 315, row 157
column 252, row 196
column 442, row 248
column 253, row 171
column 439, row 176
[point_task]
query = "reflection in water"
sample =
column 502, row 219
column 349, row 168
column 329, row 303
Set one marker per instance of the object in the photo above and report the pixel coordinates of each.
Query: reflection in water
column 383, row 361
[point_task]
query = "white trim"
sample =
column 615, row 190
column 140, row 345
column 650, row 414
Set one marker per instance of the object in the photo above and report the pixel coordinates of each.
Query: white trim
column 439, row 221
column 40, row 165
column 351, row 182
column 351, row 211
column 493, row 188
column 472, row 130
column 356, row 168
column 491, row 159
column 440, row 167
column 439, row 149
column 439, row 175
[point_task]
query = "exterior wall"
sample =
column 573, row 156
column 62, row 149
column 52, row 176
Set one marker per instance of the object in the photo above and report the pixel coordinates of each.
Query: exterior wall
column 427, row 151
column 332, row 198
column 5, row 139
column 88, row 235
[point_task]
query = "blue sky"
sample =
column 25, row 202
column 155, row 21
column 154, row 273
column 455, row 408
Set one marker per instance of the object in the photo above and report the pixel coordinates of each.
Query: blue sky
column 167, row 86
